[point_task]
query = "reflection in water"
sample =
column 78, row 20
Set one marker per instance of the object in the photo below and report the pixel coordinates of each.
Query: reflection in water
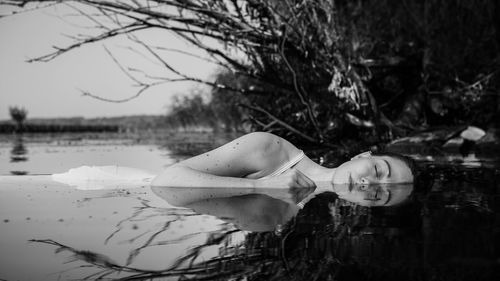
column 448, row 229
column 253, row 212
column 18, row 153
column 374, row 195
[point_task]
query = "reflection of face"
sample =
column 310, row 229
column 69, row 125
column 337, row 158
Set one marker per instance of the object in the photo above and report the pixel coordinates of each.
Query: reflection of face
column 365, row 195
column 374, row 195
column 366, row 180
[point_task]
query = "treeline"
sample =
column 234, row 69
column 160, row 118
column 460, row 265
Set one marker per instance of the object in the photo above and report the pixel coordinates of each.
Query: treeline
column 81, row 124
column 7, row 128
column 218, row 111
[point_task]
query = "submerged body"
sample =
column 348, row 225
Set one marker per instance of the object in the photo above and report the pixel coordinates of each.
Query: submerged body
column 259, row 161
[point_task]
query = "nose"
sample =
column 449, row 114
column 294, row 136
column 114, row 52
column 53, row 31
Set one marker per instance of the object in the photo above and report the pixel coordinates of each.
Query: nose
column 364, row 180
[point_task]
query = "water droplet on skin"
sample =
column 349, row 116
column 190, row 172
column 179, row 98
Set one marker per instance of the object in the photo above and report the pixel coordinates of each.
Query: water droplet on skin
column 135, row 227
column 61, row 220
column 6, row 220
column 28, row 218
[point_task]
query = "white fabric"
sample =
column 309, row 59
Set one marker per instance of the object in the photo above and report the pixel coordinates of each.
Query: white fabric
column 103, row 177
column 110, row 177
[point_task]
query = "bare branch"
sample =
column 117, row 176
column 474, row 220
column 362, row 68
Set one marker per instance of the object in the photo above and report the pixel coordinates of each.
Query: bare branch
column 189, row 54
column 87, row 16
column 280, row 122
column 87, row 94
column 194, row 79
column 299, row 91
column 22, row 4
column 112, row 33
column 140, row 83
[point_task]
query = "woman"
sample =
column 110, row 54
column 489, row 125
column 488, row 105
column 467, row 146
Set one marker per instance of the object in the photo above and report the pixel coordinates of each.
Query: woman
column 260, row 161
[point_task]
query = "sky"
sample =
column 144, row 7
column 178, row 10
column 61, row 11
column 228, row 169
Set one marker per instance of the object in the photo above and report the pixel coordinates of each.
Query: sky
column 54, row 88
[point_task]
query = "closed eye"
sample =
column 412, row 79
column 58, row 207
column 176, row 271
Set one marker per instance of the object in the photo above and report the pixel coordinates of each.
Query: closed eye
column 388, row 168
column 376, row 172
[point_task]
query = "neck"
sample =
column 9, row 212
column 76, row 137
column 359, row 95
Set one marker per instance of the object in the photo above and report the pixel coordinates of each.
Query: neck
column 323, row 179
column 322, row 176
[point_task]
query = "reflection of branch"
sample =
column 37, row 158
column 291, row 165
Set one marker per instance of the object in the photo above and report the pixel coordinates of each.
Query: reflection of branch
column 134, row 253
column 120, row 223
column 96, row 259
column 235, row 264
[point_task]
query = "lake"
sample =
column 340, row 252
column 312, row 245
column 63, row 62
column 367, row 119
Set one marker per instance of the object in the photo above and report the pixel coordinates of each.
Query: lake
column 449, row 228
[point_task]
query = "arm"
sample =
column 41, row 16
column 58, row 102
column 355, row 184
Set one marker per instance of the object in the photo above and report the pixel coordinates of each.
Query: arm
column 230, row 164
column 290, row 187
column 238, row 165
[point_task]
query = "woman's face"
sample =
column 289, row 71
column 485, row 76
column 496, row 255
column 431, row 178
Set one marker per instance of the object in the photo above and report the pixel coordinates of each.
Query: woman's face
column 373, row 170
column 366, row 180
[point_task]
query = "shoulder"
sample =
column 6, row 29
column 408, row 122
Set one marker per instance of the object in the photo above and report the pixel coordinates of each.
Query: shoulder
column 255, row 154
column 268, row 151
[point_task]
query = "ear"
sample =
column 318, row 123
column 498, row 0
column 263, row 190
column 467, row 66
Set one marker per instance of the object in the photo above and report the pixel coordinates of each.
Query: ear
column 361, row 155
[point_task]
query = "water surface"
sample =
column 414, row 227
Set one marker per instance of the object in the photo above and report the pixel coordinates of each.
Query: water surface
column 449, row 228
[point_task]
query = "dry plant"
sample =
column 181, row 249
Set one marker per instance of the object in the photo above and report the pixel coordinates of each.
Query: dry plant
column 319, row 71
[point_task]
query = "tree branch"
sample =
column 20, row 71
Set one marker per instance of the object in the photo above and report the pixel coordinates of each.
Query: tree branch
column 280, row 122
column 106, row 35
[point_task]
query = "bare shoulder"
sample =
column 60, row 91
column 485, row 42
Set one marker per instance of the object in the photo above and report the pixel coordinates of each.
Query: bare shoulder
column 267, row 151
column 252, row 155
column 268, row 144
column 262, row 140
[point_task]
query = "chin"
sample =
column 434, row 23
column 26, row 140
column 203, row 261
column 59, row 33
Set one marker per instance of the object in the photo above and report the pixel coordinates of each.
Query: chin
column 341, row 180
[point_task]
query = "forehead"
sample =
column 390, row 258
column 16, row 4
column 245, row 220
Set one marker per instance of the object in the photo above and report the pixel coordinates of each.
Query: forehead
column 400, row 172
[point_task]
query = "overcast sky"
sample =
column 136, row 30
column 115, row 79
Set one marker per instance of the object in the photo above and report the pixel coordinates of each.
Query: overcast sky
column 53, row 89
